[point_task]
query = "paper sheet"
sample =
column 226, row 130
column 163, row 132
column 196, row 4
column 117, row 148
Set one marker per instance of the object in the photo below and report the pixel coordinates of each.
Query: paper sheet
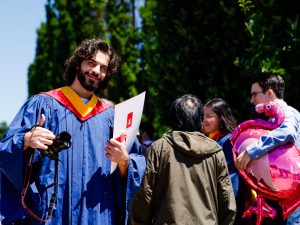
column 128, row 115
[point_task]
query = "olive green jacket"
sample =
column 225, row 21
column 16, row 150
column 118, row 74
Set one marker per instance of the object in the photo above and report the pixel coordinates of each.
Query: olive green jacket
column 186, row 183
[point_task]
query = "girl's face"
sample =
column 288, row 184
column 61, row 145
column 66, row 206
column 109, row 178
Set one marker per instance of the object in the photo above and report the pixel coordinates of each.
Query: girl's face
column 211, row 121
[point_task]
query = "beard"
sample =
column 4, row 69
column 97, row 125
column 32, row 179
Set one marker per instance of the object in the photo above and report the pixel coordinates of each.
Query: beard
column 87, row 83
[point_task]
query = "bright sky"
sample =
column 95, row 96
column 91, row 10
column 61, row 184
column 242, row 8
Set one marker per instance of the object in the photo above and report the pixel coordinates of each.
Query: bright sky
column 19, row 21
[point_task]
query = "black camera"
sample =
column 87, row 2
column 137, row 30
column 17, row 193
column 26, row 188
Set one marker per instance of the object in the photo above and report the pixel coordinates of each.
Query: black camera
column 61, row 142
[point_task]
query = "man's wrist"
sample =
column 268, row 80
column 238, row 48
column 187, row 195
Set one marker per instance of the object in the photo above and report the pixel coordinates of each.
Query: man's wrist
column 123, row 167
column 124, row 163
column 27, row 138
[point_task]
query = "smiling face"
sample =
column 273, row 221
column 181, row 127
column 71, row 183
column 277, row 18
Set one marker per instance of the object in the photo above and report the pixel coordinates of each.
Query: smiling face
column 211, row 121
column 93, row 71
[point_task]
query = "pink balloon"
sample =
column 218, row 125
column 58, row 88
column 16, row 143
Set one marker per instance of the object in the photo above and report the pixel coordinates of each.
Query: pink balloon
column 276, row 174
column 262, row 210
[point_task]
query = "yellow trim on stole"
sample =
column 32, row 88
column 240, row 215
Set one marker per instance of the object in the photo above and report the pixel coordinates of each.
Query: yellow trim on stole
column 82, row 108
column 212, row 134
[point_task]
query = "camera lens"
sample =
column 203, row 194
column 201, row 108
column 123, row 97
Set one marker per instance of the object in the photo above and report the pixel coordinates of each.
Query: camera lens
column 62, row 141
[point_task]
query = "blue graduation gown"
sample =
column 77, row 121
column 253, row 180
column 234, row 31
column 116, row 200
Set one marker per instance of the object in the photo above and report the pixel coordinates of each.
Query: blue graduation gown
column 87, row 192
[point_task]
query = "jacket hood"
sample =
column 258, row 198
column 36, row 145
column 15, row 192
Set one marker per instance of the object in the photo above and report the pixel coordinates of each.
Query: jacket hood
column 192, row 143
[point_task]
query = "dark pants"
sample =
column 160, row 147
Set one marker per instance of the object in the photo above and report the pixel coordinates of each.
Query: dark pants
column 19, row 222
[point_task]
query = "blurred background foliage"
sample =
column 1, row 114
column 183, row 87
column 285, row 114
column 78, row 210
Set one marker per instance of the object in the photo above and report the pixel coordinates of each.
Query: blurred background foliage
column 173, row 47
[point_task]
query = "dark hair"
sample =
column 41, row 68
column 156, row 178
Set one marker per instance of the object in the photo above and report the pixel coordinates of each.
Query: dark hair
column 221, row 108
column 186, row 113
column 147, row 127
column 271, row 81
column 86, row 50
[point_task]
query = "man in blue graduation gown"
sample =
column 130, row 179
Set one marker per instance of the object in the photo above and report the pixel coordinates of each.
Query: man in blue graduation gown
column 87, row 192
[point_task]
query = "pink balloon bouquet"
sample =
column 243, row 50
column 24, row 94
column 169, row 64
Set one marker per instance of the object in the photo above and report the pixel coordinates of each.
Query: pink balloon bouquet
column 276, row 174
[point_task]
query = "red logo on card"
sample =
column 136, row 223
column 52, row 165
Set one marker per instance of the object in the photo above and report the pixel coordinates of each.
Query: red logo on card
column 119, row 138
column 129, row 120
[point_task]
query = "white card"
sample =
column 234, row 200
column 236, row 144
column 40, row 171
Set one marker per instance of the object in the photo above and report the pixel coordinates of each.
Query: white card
column 128, row 115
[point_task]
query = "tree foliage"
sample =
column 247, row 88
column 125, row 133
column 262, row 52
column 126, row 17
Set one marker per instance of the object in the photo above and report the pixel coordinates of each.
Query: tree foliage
column 274, row 41
column 124, row 37
column 3, row 128
column 213, row 48
column 207, row 48
column 67, row 24
column 192, row 49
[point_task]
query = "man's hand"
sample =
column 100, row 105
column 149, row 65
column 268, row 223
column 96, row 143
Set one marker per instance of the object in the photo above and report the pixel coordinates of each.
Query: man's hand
column 243, row 160
column 116, row 151
column 39, row 137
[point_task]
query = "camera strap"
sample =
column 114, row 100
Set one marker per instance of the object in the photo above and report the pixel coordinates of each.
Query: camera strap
column 26, row 185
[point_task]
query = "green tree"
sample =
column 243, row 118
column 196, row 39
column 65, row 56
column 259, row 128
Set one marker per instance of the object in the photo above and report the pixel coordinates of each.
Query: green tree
column 273, row 32
column 3, row 128
column 212, row 49
column 67, row 24
column 189, row 47
column 207, row 48
column 124, row 35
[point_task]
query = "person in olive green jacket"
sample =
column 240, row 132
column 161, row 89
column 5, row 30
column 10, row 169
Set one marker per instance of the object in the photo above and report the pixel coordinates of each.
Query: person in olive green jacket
column 186, row 180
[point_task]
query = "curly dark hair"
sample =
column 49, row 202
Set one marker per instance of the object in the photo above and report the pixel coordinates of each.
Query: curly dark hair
column 86, row 50
column 221, row 108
